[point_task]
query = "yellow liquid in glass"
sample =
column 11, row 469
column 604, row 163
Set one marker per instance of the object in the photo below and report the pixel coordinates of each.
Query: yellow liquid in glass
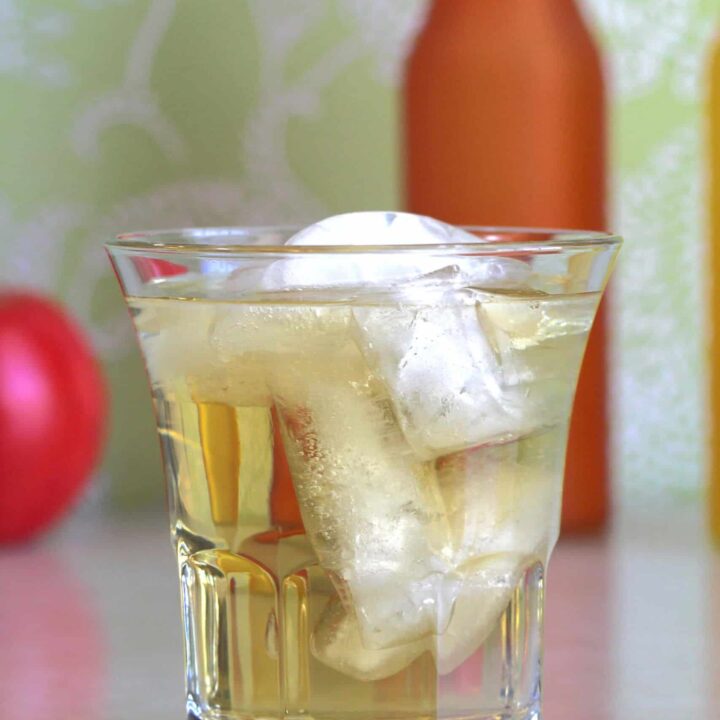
column 290, row 617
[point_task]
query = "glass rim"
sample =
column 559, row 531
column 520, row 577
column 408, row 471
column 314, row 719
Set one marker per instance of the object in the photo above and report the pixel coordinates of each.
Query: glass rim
column 491, row 240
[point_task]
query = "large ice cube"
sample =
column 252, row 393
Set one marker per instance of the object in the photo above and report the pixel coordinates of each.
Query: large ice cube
column 380, row 228
column 497, row 503
column 482, row 591
column 502, row 506
column 371, row 509
column 240, row 329
column 539, row 341
column 378, row 271
column 449, row 387
column 246, row 343
column 476, row 367
column 365, row 228
column 177, row 344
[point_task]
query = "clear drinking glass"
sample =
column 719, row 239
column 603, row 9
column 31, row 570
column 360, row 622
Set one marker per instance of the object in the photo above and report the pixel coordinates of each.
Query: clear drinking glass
column 364, row 477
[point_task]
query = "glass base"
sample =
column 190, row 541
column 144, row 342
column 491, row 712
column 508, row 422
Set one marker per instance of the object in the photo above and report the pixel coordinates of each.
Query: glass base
column 252, row 654
column 525, row 714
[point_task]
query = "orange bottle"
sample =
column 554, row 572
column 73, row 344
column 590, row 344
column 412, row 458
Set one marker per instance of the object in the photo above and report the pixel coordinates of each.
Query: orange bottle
column 284, row 507
column 505, row 125
column 714, row 496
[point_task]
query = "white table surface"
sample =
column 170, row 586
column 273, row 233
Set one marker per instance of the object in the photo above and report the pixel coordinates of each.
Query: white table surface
column 90, row 629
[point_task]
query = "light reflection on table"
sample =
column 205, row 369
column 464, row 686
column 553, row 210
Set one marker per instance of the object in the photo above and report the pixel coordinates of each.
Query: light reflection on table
column 578, row 631
column 52, row 640
column 89, row 625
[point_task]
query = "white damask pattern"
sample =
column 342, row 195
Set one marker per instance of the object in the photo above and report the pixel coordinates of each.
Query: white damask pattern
column 659, row 394
column 134, row 103
column 659, row 386
column 33, row 250
column 26, row 43
column 182, row 204
column 653, row 37
column 387, row 30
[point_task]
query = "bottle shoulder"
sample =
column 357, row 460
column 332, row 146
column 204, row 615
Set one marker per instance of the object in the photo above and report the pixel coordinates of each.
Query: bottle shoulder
column 509, row 38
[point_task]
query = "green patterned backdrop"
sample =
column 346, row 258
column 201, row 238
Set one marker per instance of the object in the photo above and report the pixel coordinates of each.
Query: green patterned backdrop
column 126, row 114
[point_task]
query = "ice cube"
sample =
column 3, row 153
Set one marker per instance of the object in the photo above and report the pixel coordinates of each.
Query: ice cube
column 476, row 367
column 496, row 503
column 243, row 344
column 539, row 341
column 365, row 228
column 482, row 592
column 501, row 518
column 503, row 508
column 488, row 584
column 239, row 329
column 336, row 642
column 380, row 228
column 174, row 336
column 449, row 388
column 530, row 320
column 372, row 510
column 180, row 357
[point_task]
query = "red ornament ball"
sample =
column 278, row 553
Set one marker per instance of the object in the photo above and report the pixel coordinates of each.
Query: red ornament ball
column 52, row 413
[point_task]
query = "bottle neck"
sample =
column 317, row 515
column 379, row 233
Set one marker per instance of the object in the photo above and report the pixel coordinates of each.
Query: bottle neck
column 500, row 10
